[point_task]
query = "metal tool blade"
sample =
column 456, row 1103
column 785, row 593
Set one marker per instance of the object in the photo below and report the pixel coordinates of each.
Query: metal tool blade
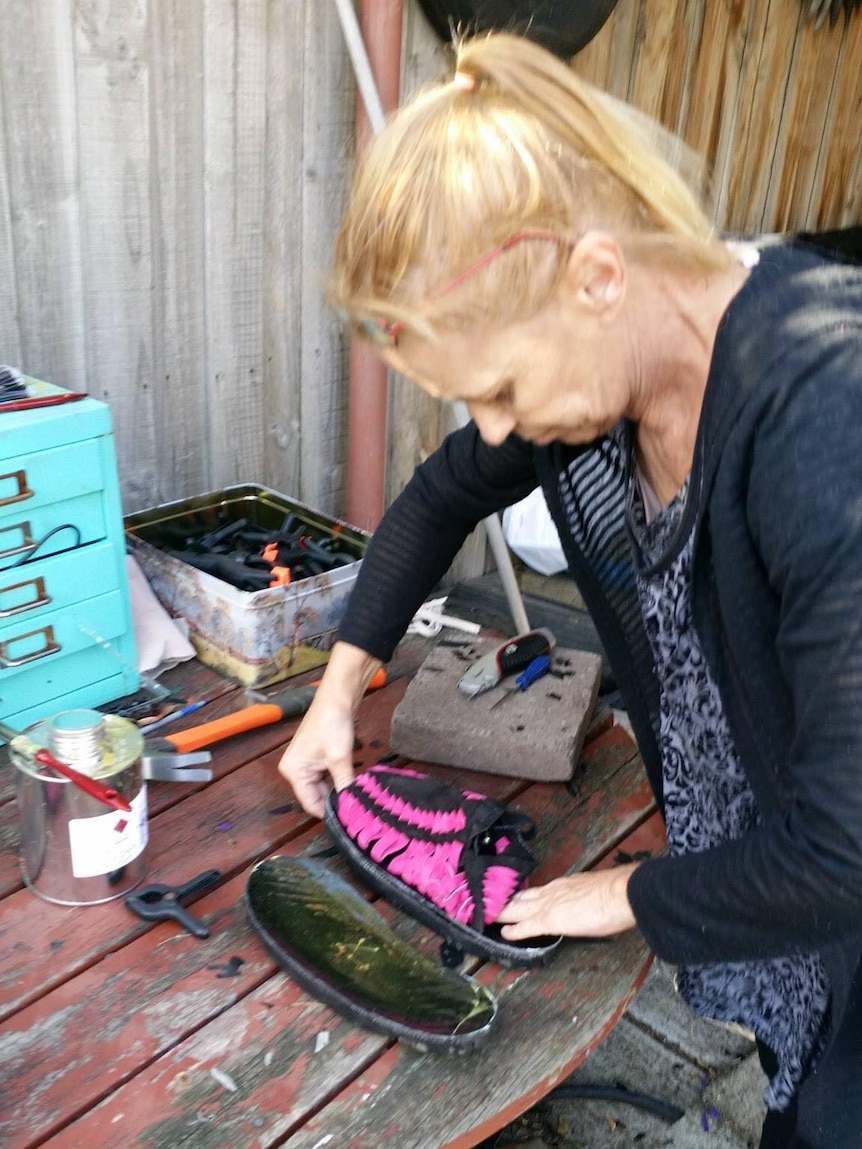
column 167, row 767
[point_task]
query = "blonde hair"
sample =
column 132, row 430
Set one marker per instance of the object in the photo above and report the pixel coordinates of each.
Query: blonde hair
column 516, row 141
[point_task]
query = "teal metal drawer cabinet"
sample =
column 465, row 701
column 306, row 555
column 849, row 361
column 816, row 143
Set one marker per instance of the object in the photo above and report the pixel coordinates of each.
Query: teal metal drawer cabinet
column 66, row 635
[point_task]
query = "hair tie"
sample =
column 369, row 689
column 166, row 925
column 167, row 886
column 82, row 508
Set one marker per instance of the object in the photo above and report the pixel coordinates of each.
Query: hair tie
column 464, row 81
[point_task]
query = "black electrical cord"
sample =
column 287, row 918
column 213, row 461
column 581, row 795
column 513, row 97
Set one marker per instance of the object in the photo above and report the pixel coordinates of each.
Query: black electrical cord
column 32, row 548
column 654, row 1105
column 618, row 1093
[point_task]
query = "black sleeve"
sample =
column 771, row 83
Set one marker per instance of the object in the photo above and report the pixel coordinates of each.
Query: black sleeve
column 841, row 243
column 795, row 881
column 460, row 484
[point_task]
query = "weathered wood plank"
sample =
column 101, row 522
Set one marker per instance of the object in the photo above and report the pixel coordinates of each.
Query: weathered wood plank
column 327, row 141
column 721, row 155
column 234, row 59
column 661, row 32
column 810, row 78
column 10, row 837
column 628, row 30
column 179, row 377
column 836, row 197
column 7, row 776
column 679, row 90
column 112, row 88
column 283, row 253
column 604, row 815
column 41, row 287
column 277, row 1069
column 734, row 182
column 419, row 419
column 709, row 79
column 762, row 89
column 10, row 329
column 687, row 39
column 659, row 1009
column 593, row 60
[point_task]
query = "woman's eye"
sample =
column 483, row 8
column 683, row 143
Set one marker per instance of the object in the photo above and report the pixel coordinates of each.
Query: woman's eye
column 505, row 394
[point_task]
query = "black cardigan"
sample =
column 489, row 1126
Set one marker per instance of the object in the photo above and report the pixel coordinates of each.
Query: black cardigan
column 776, row 501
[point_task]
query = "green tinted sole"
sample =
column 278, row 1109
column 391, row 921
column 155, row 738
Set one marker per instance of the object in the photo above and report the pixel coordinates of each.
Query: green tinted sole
column 341, row 951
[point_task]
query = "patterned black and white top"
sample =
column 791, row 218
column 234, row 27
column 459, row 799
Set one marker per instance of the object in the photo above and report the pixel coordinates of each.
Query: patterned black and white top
column 708, row 801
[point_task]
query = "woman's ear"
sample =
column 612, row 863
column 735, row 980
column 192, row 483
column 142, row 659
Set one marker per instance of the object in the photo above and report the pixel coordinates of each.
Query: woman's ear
column 596, row 274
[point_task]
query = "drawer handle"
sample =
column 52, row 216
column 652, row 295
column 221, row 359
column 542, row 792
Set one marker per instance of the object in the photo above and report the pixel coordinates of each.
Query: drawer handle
column 42, row 597
column 24, row 492
column 27, row 542
column 51, row 647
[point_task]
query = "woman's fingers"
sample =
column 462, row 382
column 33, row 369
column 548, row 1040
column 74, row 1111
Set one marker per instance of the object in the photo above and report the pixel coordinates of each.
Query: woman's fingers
column 318, row 758
column 584, row 905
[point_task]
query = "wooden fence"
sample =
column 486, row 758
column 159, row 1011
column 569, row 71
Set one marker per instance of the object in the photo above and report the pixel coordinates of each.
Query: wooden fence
column 171, row 175
column 771, row 102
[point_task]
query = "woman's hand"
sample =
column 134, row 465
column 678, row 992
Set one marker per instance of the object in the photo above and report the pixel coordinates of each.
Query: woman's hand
column 592, row 905
column 322, row 748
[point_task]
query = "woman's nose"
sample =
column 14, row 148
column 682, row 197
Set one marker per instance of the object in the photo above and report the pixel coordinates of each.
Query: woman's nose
column 494, row 425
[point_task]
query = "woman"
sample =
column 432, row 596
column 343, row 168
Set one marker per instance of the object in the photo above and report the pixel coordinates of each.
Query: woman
column 691, row 411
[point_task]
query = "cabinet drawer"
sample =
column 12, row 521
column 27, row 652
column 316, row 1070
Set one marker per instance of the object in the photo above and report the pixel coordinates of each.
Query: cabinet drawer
column 43, row 585
column 95, row 693
column 54, row 654
column 58, row 527
column 43, row 477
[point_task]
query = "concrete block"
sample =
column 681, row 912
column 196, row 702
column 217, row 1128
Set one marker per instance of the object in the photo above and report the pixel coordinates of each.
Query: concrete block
column 537, row 733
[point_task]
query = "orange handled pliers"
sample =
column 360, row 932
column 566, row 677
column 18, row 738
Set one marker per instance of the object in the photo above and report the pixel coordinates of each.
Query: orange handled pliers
column 288, row 704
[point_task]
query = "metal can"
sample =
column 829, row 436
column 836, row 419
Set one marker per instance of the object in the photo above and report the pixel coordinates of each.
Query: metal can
column 74, row 850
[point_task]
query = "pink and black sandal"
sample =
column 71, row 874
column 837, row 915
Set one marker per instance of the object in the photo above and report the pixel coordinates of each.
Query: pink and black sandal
column 452, row 859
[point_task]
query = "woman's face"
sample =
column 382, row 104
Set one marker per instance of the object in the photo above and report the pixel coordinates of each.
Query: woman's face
column 556, row 376
column 562, row 374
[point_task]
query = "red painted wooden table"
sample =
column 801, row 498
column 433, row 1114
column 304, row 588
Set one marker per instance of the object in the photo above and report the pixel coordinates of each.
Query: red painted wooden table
column 115, row 1032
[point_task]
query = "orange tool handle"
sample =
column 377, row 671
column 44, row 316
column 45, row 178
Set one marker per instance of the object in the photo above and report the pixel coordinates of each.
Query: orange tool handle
column 376, row 682
column 289, row 704
column 249, row 718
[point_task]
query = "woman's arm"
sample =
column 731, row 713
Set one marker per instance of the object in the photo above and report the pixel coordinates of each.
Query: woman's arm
column 460, row 484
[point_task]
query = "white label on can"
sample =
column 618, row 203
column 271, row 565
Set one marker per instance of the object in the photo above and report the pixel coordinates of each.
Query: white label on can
column 109, row 841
